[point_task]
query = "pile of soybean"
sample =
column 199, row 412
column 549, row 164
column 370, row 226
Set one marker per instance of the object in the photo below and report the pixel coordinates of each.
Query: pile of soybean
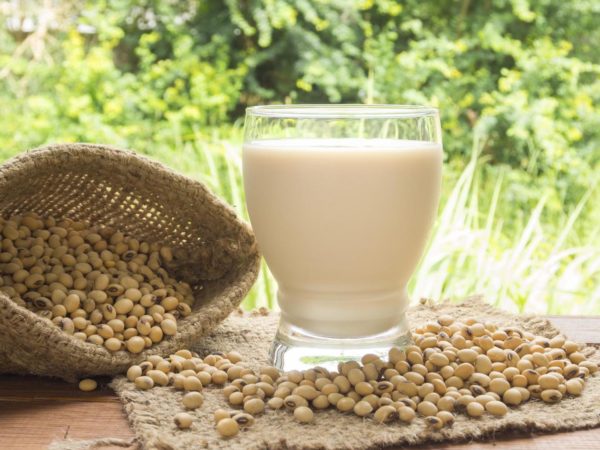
column 95, row 283
column 453, row 367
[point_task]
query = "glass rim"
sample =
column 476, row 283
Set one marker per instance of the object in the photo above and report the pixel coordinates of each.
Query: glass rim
column 342, row 111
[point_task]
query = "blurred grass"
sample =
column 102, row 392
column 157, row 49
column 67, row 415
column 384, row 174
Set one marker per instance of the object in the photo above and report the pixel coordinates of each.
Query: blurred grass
column 529, row 267
column 521, row 261
column 520, row 224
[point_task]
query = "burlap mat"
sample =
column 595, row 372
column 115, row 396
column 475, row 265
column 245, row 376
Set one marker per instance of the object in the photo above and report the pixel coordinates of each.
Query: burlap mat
column 151, row 412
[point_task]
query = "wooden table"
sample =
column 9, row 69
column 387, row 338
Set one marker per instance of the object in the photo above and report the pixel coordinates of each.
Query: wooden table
column 35, row 411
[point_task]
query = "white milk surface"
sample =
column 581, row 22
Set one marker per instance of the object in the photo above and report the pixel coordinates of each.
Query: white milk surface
column 342, row 224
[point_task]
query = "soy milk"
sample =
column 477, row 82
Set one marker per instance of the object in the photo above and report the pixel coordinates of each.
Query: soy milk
column 342, row 224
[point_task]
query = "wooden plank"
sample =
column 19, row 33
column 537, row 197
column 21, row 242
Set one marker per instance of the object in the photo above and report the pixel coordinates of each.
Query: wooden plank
column 35, row 411
column 34, row 424
column 42, row 388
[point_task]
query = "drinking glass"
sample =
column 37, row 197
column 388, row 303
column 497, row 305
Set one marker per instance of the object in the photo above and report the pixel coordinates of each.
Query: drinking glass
column 341, row 199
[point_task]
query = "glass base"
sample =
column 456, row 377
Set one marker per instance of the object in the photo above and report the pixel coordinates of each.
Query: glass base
column 297, row 349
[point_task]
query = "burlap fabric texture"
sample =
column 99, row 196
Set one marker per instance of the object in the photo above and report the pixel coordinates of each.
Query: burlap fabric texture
column 151, row 412
column 214, row 250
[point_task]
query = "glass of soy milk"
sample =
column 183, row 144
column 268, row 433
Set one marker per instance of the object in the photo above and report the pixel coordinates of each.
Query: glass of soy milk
column 341, row 199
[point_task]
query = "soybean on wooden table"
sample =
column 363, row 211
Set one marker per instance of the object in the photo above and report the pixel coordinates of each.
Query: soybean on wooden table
column 35, row 411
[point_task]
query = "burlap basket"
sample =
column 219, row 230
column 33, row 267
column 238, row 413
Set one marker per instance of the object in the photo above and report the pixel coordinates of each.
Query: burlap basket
column 214, row 250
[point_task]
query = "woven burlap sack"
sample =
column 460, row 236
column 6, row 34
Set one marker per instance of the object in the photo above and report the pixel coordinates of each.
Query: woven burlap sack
column 214, row 251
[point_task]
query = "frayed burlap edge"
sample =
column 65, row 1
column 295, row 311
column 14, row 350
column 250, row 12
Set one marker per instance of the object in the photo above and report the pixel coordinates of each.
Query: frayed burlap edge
column 215, row 250
column 75, row 444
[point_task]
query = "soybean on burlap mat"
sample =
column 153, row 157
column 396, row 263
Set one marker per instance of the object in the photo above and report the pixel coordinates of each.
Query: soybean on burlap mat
column 150, row 413
column 215, row 252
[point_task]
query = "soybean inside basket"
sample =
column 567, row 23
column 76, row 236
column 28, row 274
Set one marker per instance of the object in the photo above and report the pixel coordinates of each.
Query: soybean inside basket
column 214, row 250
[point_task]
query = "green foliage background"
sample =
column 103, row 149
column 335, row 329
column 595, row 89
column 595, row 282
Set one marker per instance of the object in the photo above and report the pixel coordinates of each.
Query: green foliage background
column 517, row 82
